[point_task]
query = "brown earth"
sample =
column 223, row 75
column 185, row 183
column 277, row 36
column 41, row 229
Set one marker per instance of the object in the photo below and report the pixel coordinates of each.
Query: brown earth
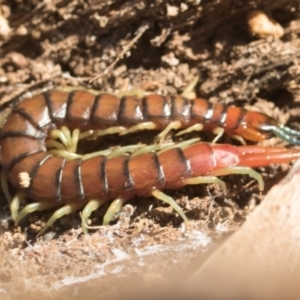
column 157, row 46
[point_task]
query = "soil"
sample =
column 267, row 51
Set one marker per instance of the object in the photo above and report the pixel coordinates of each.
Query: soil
column 155, row 46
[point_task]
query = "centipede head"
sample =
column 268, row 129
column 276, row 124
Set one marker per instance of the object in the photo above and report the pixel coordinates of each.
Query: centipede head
column 258, row 126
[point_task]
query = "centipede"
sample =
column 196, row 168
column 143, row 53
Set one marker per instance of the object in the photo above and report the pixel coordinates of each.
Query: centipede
column 69, row 184
column 103, row 114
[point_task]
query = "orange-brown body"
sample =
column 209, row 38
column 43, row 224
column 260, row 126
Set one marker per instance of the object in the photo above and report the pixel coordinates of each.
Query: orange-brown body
column 56, row 179
column 81, row 109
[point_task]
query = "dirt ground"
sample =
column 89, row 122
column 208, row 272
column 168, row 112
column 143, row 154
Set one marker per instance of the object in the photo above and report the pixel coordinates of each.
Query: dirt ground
column 157, row 46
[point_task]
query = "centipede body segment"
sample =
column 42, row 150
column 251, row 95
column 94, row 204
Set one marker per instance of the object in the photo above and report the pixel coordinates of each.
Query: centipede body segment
column 54, row 181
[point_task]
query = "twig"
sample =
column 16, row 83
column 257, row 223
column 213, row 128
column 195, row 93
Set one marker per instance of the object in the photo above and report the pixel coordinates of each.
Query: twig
column 126, row 48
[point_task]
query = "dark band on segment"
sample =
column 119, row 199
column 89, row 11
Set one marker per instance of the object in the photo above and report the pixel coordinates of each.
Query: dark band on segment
column 161, row 175
column 102, row 173
column 95, row 107
column 69, row 104
column 129, row 181
column 48, row 99
column 184, row 161
column 58, row 180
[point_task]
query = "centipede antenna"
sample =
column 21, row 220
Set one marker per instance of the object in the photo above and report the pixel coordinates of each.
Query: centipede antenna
column 288, row 135
column 290, row 131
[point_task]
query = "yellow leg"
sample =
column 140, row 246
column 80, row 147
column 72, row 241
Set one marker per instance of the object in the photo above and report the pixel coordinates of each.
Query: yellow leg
column 162, row 136
column 139, row 127
column 134, row 92
column 110, row 130
column 113, row 208
column 241, row 170
column 65, row 154
column 68, row 141
column 30, row 208
column 219, row 132
column 238, row 138
column 151, row 148
column 206, row 180
column 195, row 127
column 59, row 134
column 53, row 144
column 65, row 210
column 87, row 211
column 190, row 87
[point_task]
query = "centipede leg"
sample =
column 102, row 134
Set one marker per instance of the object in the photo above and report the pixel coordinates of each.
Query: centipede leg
column 190, row 87
column 29, row 208
column 219, row 132
column 15, row 205
column 62, row 211
column 206, row 180
column 169, row 200
column 111, row 130
column 139, row 127
column 69, row 141
column 238, row 138
column 87, row 211
column 58, row 134
column 195, row 127
column 241, row 170
column 114, row 207
column 162, row 136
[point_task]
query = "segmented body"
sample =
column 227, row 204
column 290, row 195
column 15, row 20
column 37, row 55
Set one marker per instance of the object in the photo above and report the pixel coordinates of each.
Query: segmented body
column 86, row 111
column 59, row 181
